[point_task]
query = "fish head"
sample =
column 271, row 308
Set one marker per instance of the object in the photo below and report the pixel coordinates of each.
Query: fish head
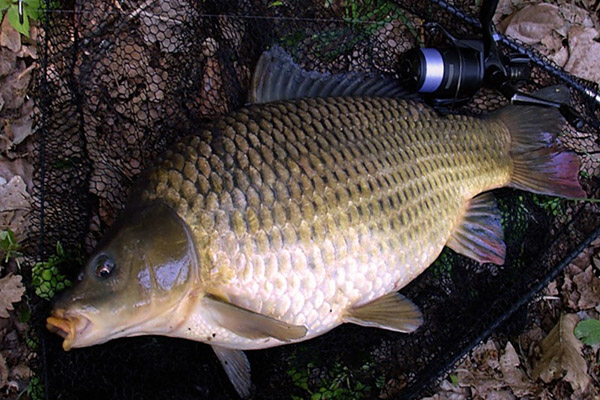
column 133, row 282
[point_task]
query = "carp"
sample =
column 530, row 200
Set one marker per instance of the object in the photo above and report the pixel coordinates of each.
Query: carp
column 309, row 208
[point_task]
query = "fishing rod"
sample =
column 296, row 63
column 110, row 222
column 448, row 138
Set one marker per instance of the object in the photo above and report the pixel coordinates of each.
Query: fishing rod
column 451, row 75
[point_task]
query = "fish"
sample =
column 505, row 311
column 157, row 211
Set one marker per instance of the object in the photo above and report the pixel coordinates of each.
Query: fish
column 308, row 208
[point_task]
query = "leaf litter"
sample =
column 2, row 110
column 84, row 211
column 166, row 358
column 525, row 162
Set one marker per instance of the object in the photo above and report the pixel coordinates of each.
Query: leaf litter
column 564, row 32
column 17, row 64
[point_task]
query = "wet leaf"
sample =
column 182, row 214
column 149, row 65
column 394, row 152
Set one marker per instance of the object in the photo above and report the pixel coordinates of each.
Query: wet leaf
column 588, row 331
column 11, row 291
column 561, row 356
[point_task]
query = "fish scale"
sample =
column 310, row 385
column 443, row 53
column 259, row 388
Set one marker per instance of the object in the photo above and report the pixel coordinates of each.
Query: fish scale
column 361, row 192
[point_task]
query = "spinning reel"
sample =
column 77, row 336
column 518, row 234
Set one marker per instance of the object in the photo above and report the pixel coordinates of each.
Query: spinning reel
column 452, row 75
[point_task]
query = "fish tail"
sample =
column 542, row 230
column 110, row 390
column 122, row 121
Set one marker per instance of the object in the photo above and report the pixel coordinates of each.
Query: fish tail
column 540, row 163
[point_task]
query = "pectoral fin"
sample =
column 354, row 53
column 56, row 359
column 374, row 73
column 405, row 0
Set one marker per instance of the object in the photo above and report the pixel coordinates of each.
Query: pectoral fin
column 237, row 367
column 393, row 312
column 249, row 324
column 480, row 234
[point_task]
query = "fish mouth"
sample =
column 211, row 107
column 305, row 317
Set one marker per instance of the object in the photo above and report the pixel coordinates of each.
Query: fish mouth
column 67, row 326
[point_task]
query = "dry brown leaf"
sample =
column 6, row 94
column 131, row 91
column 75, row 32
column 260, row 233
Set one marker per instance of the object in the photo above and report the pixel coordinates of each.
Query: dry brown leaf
column 450, row 392
column 561, row 356
column 15, row 205
column 569, row 293
column 514, row 376
column 533, row 23
column 8, row 61
column 3, row 372
column 575, row 16
column 504, row 8
column 504, row 394
column 585, row 53
column 14, row 87
column 20, row 129
column 588, row 287
column 21, row 167
column 20, row 371
column 11, row 290
column 9, row 37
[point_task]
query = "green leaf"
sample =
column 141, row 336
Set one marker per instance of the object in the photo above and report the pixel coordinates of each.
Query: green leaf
column 7, row 240
column 454, row 380
column 4, row 4
column 34, row 9
column 13, row 17
column 588, row 331
column 60, row 251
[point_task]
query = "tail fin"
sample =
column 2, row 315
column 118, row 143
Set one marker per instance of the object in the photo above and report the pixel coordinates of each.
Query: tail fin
column 541, row 164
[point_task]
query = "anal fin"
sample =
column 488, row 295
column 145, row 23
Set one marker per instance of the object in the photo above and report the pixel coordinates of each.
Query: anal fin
column 480, row 235
column 250, row 324
column 393, row 312
column 236, row 366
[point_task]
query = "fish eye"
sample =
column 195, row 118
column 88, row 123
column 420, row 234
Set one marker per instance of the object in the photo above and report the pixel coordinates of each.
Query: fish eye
column 105, row 267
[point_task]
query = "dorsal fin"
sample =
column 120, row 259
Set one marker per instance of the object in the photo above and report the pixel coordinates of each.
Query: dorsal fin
column 278, row 77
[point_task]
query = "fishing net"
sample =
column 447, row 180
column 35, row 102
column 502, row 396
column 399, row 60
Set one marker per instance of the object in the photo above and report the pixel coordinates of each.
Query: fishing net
column 121, row 80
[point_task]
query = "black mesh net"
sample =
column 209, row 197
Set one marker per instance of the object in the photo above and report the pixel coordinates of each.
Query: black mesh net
column 121, row 80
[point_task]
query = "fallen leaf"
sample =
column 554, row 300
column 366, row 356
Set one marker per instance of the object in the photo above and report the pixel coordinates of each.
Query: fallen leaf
column 504, row 8
column 15, row 206
column 584, row 53
column 448, row 391
column 561, row 356
column 21, row 167
column 575, row 16
column 20, row 129
column 3, row 372
column 531, row 24
column 14, row 87
column 11, row 290
column 8, row 61
column 514, row 376
column 588, row 286
column 20, row 371
column 9, row 37
column 588, row 331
